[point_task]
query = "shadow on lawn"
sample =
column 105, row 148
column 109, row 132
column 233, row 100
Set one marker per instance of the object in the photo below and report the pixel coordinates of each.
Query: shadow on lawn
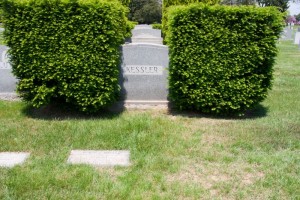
column 257, row 112
column 66, row 112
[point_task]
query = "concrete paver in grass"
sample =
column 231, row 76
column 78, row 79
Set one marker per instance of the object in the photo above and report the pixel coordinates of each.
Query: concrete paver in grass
column 100, row 158
column 11, row 159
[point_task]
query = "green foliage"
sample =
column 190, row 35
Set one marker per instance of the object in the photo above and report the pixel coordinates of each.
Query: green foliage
column 145, row 11
column 125, row 2
column 282, row 5
column 297, row 17
column 156, row 26
column 221, row 57
column 238, row 2
column 66, row 50
column 167, row 3
column 134, row 6
column 1, row 12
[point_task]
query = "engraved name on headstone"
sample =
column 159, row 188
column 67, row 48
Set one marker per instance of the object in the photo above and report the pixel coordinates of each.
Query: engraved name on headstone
column 142, row 70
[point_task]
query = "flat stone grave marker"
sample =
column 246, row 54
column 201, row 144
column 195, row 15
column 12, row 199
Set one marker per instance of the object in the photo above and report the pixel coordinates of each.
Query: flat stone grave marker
column 99, row 158
column 11, row 159
column 7, row 79
column 297, row 38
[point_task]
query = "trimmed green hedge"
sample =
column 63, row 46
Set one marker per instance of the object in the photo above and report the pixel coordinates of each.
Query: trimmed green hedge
column 156, row 26
column 1, row 2
column 221, row 57
column 125, row 2
column 168, row 3
column 66, row 50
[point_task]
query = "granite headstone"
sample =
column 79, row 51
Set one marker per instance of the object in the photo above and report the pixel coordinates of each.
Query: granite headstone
column 152, row 32
column 7, row 79
column 144, row 73
column 297, row 38
column 287, row 34
column 145, row 34
column 146, row 38
column 143, row 76
column 143, row 26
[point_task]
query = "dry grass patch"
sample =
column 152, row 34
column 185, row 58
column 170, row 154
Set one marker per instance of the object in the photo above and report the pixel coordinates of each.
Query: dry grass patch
column 208, row 134
column 217, row 179
column 112, row 173
column 209, row 139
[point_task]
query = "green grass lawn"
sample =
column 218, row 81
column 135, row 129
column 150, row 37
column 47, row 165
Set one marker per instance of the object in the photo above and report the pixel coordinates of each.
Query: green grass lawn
column 174, row 155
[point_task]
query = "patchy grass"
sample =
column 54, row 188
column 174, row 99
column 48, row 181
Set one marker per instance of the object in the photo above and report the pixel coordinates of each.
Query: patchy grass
column 174, row 155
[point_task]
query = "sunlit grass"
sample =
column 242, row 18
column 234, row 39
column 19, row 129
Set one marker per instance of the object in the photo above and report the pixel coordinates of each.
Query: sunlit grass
column 173, row 155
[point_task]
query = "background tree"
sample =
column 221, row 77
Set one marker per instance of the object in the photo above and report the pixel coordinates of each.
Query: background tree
column 238, row 2
column 282, row 5
column 290, row 19
column 297, row 17
column 134, row 6
column 145, row 11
